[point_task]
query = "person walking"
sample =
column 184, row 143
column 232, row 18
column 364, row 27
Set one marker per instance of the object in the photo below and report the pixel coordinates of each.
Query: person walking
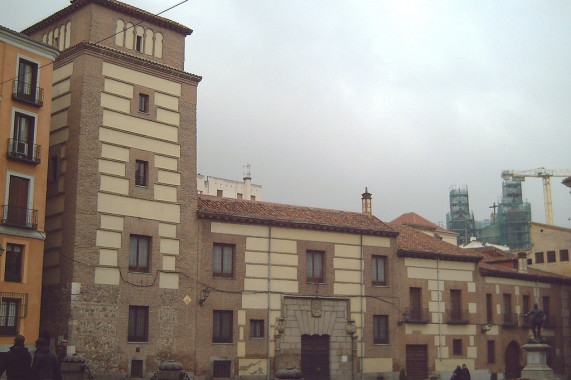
column 17, row 361
column 457, row 374
column 465, row 373
column 45, row 365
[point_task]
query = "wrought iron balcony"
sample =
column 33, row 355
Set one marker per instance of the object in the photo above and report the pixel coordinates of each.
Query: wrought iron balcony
column 19, row 217
column 509, row 320
column 23, row 151
column 28, row 93
column 457, row 317
column 416, row 315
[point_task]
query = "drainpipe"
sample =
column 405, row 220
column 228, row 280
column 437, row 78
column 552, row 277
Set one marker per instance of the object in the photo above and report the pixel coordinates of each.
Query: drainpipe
column 362, row 312
column 439, row 314
column 269, row 299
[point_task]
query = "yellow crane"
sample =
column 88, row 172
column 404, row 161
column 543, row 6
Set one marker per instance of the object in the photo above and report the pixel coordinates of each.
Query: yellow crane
column 545, row 175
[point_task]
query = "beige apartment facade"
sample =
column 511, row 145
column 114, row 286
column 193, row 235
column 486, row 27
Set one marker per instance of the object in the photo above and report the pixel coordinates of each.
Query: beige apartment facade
column 120, row 217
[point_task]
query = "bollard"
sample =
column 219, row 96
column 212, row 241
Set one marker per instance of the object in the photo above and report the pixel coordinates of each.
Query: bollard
column 289, row 373
column 73, row 367
column 170, row 370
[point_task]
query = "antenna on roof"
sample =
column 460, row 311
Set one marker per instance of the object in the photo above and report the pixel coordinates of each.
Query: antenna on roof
column 247, row 173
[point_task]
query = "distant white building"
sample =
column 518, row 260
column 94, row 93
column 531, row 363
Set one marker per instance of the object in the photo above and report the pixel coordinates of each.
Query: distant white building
column 227, row 188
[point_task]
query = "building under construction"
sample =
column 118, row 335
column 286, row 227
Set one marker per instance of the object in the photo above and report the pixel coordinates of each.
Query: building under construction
column 508, row 226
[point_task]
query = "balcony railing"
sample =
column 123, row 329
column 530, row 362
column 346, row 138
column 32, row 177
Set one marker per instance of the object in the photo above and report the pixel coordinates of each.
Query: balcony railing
column 415, row 315
column 457, row 317
column 509, row 319
column 28, row 93
column 19, row 217
column 21, row 150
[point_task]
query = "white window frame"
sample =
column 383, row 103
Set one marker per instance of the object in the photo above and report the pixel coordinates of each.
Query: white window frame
column 11, row 173
column 28, row 113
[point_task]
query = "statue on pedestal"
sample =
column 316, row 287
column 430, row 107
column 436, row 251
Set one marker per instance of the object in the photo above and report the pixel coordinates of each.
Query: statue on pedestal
column 538, row 316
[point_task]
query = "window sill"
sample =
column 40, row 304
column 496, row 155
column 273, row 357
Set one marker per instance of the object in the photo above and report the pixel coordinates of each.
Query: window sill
column 258, row 338
column 135, row 342
column 379, row 286
column 223, row 344
column 224, row 277
column 136, row 272
column 315, row 282
column 381, row 344
column 144, row 113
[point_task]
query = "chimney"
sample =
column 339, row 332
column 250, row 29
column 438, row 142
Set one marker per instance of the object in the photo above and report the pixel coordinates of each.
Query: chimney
column 367, row 202
column 522, row 262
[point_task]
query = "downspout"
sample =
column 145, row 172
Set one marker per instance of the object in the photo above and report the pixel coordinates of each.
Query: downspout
column 362, row 312
column 439, row 314
column 269, row 299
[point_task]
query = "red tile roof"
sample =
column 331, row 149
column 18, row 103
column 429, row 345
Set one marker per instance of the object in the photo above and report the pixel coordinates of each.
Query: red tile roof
column 276, row 214
column 489, row 269
column 413, row 219
column 414, row 243
column 112, row 4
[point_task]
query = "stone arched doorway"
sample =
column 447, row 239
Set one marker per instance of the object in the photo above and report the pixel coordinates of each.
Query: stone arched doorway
column 512, row 360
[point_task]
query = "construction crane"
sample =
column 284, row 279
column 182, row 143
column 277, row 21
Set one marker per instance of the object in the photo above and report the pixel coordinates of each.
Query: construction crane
column 545, row 175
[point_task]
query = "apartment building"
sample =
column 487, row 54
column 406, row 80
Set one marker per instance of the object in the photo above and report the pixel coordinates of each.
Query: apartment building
column 121, row 211
column 25, row 102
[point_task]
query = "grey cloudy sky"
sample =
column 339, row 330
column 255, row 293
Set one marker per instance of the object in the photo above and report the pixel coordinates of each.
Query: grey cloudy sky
column 405, row 97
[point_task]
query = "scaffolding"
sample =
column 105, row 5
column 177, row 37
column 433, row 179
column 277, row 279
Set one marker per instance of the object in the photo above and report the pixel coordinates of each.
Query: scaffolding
column 514, row 216
column 460, row 219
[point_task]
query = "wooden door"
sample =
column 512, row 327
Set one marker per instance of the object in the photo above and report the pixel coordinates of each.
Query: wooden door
column 416, row 361
column 513, row 369
column 315, row 357
column 18, row 201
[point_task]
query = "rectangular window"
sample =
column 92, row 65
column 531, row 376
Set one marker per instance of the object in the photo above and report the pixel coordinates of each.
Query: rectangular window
column 222, row 326
column 253, row 197
column 538, row 257
column 141, row 173
column 221, row 368
column 315, row 266
column 381, row 329
column 550, row 256
column 546, row 310
column 489, row 309
column 415, row 303
column 219, row 193
column 456, row 346
column 491, row 351
column 239, row 196
column 139, row 44
column 138, row 324
column 223, row 260
column 144, row 103
column 13, row 269
column 139, row 252
column 563, row 255
column 378, row 264
column 455, row 305
column 256, row 328
column 508, row 318
column 23, row 134
column 53, row 169
column 27, row 85
column 9, row 316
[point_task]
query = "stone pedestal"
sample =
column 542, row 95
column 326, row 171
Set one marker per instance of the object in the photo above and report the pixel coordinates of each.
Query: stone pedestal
column 537, row 367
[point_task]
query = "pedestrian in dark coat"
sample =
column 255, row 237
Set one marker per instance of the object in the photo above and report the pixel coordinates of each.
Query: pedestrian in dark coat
column 45, row 365
column 465, row 373
column 17, row 361
column 457, row 374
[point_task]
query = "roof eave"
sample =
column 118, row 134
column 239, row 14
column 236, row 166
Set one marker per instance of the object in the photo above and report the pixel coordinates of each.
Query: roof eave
column 524, row 276
column 115, row 5
column 285, row 223
column 436, row 255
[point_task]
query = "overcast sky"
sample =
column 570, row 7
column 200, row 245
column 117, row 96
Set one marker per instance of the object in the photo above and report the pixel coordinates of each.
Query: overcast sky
column 408, row 98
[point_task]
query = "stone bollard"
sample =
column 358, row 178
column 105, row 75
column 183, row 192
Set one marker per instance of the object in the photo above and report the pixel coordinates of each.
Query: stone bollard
column 73, row 367
column 170, row 370
column 289, row 373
